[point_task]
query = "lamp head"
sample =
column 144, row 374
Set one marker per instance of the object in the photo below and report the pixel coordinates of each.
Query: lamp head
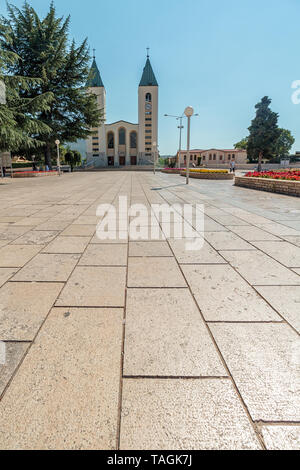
column 189, row 111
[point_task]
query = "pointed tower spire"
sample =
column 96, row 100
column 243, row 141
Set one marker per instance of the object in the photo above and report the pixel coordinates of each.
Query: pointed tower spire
column 148, row 77
column 94, row 79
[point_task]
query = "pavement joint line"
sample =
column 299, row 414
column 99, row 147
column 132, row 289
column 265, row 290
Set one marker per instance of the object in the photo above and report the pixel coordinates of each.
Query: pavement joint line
column 176, row 377
column 247, row 321
column 277, row 423
column 120, row 403
column 156, row 287
column 15, row 341
column 239, row 395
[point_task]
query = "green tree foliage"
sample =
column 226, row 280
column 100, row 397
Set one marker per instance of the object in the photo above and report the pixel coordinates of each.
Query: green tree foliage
column 19, row 123
column 284, row 143
column 73, row 158
column 63, row 68
column 242, row 144
column 264, row 132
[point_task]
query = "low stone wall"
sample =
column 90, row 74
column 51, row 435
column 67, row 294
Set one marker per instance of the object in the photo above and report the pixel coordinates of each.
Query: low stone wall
column 209, row 176
column 290, row 188
column 176, row 171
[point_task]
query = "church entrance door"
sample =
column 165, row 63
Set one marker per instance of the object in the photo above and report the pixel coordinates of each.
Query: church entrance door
column 122, row 161
column 110, row 161
column 133, row 160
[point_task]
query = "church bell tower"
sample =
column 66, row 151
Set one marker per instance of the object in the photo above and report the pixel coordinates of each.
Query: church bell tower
column 148, row 114
column 95, row 144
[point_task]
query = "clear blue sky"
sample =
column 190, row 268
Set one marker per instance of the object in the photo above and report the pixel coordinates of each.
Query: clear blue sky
column 219, row 56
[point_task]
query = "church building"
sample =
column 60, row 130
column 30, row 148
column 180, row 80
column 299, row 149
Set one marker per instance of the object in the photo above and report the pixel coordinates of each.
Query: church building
column 124, row 143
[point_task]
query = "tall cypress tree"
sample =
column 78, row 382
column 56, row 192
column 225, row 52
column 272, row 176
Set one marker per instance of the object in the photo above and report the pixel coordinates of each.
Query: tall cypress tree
column 264, row 132
column 18, row 114
column 43, row 45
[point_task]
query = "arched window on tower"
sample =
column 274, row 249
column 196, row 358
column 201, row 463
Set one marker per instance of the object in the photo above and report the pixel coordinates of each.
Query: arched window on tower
column 148, row 97
column 133, row 140
column 122, row 136
column 110, row 140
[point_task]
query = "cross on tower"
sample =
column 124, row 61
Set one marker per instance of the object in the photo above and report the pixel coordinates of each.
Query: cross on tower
column 94, row 53
column 148, row 49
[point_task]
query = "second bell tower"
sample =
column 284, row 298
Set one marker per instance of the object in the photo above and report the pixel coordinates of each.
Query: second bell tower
column 148, row 114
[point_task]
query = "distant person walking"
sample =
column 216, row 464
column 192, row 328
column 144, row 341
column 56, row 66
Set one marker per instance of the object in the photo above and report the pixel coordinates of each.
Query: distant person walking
column 232, row 166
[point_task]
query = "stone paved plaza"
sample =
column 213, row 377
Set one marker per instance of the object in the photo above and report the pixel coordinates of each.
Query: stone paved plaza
column 144, row 345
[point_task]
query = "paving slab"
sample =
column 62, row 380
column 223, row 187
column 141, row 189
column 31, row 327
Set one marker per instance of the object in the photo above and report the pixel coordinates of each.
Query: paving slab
column 154, row 272
column 12, row 232
column 295, row 224
column 14, row 353
column 48, row 268
column 73, row 402
column 16, row 256
column 58, row 225
column 265, row 371
column 79, row 231
column 94, row 286
column 205, row 255
column 247, row 216
column 5, row 274
column 259, row 269
column 32, row 221
column 35, row 237
column 286, row 300
column 87, row 220
column 284, row 252
column 104, row 255
column 279, row 229
column 173, row 230
column 165, row 336
column 294, row 240
column 252, row 233
column 152, row 249
column 24, row 307
column 226, row 241
column 150, row 234
column 211, row 225
column 281, row 437
column 223, row 295
column 9, row 220
column 184, row 415
column 228, row 219
column 67, row 245
column 112, row 238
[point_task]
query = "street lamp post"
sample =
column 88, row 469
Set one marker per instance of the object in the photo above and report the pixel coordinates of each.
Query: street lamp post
column 189, row 111
column 180, row 127
column 57, row 142
column 179, row 154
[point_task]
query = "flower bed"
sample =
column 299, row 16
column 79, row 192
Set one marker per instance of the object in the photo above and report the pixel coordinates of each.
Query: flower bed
column 286, row 175
column 207, row 174
column 32, row 174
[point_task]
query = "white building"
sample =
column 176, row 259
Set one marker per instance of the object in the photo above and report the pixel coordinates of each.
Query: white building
column 213, row 157
column 124, row 143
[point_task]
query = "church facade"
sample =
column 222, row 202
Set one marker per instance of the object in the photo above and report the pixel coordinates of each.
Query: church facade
column 123, row 143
